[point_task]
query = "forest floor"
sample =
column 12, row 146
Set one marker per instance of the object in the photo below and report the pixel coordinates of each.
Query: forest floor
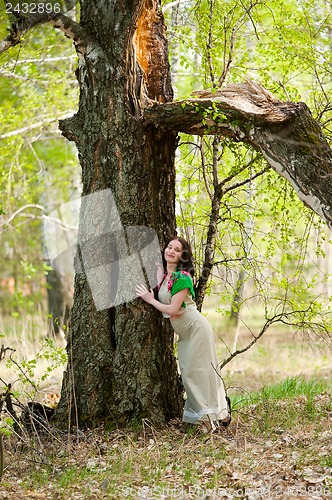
column 273, row 449
column 278, row 445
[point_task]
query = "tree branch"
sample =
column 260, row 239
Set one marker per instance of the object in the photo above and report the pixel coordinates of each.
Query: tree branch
column 283, row 317
column 213, row 112
column 246, row 181
column 24, row 24
column 71, row 29
column 17, row 212
column 237, row 172
column 268, row 323
column 285, row 133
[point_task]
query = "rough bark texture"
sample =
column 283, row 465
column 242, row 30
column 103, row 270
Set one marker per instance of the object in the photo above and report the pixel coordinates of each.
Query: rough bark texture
column 121, row 363
column 285, row 133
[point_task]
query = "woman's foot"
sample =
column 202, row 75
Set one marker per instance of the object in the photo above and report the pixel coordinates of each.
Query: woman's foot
column 227, row 421
column 207, row 426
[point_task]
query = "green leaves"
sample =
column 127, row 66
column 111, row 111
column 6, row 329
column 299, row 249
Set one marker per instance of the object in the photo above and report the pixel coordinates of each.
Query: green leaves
column 6, row 425
column 283, row 45
column 266, row 249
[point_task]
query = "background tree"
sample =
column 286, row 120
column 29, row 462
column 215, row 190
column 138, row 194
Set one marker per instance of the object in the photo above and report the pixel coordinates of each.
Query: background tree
column 121, row 359
column 263, row 41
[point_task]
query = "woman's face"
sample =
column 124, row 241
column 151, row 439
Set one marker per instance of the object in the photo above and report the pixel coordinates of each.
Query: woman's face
column 173, row 252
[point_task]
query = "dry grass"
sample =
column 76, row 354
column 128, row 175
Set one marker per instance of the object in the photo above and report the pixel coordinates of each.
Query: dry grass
column 272, row 449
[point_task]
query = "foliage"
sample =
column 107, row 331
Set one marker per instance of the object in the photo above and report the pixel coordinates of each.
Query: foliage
column 27, row 385
column 26, row 371
column 284, row 45
column 262, row 228
column 269, row 249
column 266, row 238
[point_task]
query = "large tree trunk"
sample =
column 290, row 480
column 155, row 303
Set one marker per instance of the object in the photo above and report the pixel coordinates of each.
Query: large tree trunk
column 120, row 360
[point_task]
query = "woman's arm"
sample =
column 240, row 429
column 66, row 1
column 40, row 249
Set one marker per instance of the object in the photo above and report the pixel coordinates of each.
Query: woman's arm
column 171, row 309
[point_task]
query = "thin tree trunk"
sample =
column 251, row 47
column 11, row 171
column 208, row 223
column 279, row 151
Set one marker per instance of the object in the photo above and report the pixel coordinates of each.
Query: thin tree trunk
column 56, row 303
column 239, row 285
column 237, row 297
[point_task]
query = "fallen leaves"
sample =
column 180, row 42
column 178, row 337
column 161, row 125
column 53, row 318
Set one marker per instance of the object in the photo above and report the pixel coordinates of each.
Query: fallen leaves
column 238, row 462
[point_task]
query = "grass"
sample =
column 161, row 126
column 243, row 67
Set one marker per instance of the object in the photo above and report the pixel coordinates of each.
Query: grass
column 286, row 404
column 279, row 441
column 275, row 357
column 289, row 388
column 326, row 461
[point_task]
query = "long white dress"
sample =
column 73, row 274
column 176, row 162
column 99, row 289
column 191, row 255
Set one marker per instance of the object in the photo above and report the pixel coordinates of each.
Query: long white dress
column 206, row 398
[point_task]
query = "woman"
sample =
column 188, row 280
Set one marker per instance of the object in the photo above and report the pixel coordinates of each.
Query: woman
column 206, row 399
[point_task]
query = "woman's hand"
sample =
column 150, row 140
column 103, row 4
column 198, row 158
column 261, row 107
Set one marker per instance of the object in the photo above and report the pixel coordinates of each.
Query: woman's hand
column 144, row 293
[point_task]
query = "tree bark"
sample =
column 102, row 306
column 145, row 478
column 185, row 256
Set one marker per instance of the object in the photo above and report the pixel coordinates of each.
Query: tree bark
column 284, row 132
column 120, row 361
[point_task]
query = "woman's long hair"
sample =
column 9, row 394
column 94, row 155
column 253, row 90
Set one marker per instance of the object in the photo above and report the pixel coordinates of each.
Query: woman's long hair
column 186, row 262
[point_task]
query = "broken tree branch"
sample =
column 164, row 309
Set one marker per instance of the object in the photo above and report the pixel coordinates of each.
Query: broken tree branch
column 285, row 133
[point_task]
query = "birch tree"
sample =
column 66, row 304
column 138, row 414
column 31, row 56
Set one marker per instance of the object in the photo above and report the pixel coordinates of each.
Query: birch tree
column 120, row 360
